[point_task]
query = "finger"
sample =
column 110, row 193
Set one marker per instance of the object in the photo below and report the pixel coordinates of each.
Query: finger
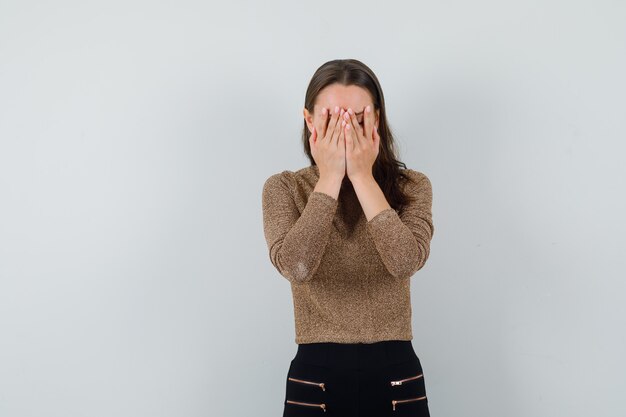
column 341, row 128
column 342, row 135
column 369, row 122
column 324, row 120
column 313, row 139
column 332, row 125
column 352, row 140
column 336, row 128
column 358, row 130
column 347, row 122
column 376, row 143
column 355, row 123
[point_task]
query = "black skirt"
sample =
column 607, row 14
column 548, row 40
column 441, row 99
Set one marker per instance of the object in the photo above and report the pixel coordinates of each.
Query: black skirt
column 349, row 380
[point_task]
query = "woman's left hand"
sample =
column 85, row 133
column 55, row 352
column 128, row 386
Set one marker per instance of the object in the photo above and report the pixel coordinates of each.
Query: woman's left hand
column 362, row 144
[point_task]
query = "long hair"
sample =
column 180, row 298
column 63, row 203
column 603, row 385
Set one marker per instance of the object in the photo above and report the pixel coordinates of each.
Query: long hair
column 386, row 168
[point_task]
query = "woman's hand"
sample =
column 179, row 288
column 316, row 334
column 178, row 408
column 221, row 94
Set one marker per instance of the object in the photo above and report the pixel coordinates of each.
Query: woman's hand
column 329, row 151
column 361, row 144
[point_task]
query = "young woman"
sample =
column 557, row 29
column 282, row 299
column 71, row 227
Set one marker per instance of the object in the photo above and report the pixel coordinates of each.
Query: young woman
column 348, row 232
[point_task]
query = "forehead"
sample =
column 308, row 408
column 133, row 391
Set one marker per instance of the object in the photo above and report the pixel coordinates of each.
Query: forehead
column 344, row 96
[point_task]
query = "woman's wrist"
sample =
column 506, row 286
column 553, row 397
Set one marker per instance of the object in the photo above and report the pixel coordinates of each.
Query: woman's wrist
column 329, row 185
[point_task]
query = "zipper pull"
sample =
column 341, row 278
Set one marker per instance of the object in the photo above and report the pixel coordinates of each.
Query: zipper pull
column 399, row 382
column 393, row 402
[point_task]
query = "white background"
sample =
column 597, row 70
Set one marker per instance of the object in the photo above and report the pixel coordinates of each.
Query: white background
column 135, row 137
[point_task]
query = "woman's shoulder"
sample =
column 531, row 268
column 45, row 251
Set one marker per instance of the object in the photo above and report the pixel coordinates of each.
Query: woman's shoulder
column 415, row 176
column 280, row 179
column 292, row 179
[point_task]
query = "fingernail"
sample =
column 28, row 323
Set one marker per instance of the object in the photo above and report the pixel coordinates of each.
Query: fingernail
column 350, row 111
column 324, row 111
column 368, row 108
column 336, row 109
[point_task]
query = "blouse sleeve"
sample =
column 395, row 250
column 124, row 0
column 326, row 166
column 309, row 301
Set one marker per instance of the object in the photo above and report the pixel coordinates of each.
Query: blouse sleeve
column 296, row 241
column 403, row 240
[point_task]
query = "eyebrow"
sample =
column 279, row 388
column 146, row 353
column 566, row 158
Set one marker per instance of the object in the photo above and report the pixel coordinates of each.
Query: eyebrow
column 355, row 113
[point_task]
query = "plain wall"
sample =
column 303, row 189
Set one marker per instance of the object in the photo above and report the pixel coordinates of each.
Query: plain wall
column 135, row 137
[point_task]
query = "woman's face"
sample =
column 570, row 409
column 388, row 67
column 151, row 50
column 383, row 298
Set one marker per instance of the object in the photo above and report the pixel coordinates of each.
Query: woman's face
column 345, row 97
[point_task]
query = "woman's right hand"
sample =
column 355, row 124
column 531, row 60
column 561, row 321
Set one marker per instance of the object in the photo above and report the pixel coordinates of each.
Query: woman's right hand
column 327, row 142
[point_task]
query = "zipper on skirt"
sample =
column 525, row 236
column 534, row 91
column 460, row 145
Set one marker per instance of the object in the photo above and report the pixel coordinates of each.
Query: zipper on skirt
column 322, row 405
column 401, row 381
column 394, row 402
column 302, row 381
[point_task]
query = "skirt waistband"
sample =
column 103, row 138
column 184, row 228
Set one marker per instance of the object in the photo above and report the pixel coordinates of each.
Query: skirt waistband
column 356, row 355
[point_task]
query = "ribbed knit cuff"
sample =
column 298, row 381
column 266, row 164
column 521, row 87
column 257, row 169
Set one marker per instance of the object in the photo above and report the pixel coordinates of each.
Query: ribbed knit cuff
column 382, row 220
column 324, row 198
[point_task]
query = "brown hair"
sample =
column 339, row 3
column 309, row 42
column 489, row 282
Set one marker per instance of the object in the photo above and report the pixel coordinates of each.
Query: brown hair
column 386, row 169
